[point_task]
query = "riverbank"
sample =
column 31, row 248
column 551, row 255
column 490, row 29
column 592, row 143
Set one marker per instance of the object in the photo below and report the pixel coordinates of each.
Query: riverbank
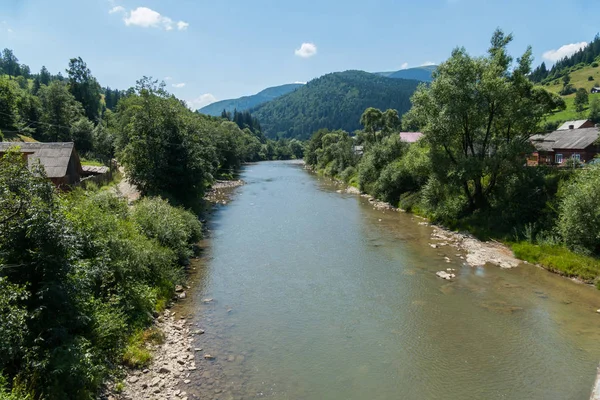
column 477, row 252
column 173, row 356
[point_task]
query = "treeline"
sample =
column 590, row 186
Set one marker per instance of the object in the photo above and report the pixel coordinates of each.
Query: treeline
column 586, row 56
column 469, row 169
column 333, row 101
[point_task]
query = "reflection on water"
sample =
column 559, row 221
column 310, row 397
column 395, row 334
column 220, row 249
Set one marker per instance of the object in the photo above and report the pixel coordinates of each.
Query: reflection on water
column 318, row 296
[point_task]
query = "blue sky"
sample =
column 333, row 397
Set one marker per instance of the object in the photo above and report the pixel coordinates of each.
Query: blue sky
column 217, row 50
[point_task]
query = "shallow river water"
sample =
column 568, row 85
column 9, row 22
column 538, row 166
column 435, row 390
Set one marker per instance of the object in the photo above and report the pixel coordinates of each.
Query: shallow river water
column 316, row 295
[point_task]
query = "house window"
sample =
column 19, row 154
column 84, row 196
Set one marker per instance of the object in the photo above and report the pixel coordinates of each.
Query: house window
column 558, row 158
column 576, row 157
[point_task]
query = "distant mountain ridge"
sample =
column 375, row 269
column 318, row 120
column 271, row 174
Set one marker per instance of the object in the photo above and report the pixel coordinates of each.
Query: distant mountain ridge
column 248, row 102
column 333, row 101
column 423, row 74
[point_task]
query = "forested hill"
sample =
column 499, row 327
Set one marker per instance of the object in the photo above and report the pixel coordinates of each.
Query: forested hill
column 423, row 73
column 333, row 101
column 248, row 102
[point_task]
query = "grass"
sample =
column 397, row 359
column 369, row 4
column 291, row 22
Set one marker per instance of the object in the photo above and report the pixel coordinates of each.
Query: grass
column 136, row 354
column 560, row 260
column 93, row 163
column 579, row 79
column 570, row 114
column 17, row 137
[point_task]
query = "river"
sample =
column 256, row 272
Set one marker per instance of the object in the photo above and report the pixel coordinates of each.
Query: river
column 316, row 295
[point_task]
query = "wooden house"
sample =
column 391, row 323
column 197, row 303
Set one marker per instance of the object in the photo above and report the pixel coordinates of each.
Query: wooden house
column 60, row 160
column 558, row 147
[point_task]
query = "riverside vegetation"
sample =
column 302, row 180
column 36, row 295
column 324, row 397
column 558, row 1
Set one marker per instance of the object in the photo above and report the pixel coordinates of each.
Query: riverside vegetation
column 468, row 171
column 83, row 274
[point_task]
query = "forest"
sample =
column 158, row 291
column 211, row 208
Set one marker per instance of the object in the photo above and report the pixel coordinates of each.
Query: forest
column 332, row 101
column 468, row 171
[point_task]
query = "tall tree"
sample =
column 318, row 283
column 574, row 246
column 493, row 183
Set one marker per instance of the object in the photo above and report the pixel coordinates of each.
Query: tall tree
column 59, row 111
column 477, row 115
column 581, row 100
column 45, row 76
column 84, row 88
column 10, row 63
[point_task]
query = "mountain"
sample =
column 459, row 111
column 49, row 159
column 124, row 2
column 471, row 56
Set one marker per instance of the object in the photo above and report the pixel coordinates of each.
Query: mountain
column 333, row 101
column 422, row 74
column 248, row 102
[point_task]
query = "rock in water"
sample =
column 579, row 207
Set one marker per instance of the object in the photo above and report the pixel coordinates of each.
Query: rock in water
column 445, row 275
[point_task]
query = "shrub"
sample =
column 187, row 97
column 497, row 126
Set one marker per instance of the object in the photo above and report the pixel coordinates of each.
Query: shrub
column 579, row 219
column 595, row 65
column 173, row 227
column 590, row 78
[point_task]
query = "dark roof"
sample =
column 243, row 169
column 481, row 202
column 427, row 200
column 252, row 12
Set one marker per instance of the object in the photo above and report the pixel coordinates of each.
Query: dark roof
column 575, row 139
column 53, row 156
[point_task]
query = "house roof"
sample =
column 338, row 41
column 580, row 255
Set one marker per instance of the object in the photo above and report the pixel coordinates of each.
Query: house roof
column 94, row 170
column 410, row 137
column 53, row 156
column 576, row 124
column 572, row 139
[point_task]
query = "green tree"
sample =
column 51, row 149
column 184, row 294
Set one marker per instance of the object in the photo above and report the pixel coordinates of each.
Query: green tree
column 579, row 219
column 477, row 116
column 59, row 111
column 372, row 122
column 10, row 63
column 9, row 115
column 594, row 114
column 82, row 132
column 164, row 147
column 45, row 76
column 84, row 87
column 581, row 99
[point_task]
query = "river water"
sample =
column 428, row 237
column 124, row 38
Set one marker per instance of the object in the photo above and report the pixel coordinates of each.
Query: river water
column 316, row 295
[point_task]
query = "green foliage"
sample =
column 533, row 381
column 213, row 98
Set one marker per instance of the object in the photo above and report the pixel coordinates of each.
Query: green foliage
column 581, row 99
column 84, row 87
column 334, row 101
column 60, row 110
column 579, row 220
column 79, row 275
column 559, row 259
column 174, row 228
column 594, row 114
column 477, row 115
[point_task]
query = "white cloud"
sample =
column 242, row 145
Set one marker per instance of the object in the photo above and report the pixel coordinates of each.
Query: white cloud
column 404, row 66
column 301, row 83
column 563, row 51
column 178, row 85
column 117, row 9
column 148, row 18
column 201, row 101
column 427, row 63
column 168, row 78
column 307, row 50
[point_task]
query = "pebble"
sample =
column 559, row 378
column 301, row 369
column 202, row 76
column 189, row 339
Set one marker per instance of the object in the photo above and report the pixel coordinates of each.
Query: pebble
column 186, row 381
column 208, row 357
column 164, row 370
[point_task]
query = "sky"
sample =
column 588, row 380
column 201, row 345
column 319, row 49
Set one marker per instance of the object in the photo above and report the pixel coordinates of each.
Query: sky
column 215, row 50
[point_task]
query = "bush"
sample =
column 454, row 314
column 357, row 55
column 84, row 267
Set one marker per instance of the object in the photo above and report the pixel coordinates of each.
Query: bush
column 595, row 65
column 175, row 228
column 590, row 78
column 579, row 221
column 348, row 174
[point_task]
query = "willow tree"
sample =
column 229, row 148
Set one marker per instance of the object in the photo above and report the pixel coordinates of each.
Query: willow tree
column 477, row 115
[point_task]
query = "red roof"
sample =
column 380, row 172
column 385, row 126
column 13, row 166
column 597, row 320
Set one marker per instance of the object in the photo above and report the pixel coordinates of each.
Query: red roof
column 410, row 137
